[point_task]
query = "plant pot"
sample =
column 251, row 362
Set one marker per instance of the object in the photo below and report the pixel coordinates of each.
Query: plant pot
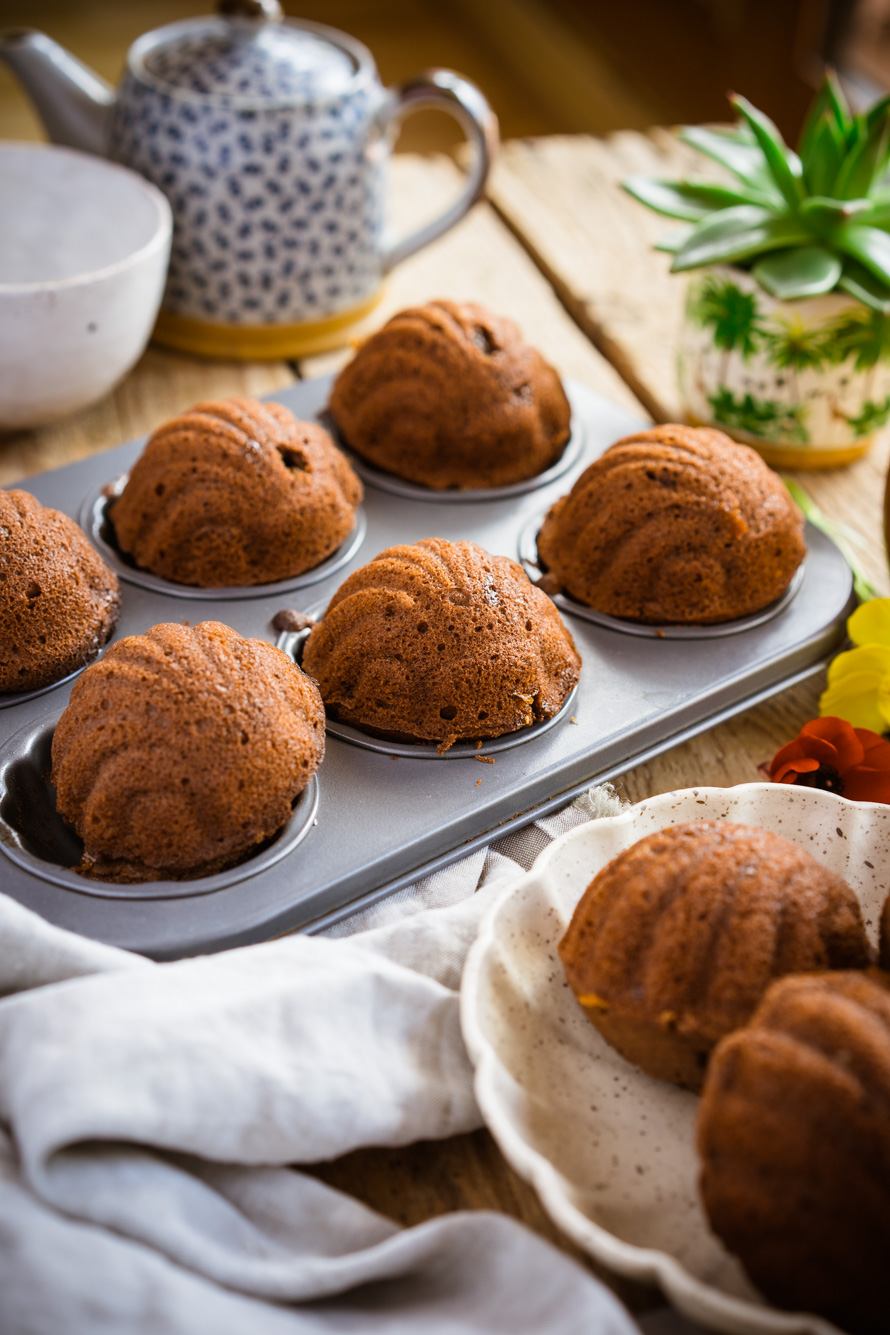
column 806, row 382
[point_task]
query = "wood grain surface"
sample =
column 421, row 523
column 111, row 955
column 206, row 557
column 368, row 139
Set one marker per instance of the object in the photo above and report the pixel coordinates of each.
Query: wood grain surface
column 565, row 252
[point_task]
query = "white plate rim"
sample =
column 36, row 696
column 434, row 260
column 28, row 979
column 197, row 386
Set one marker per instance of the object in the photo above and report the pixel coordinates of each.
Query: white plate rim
column 691, row 1296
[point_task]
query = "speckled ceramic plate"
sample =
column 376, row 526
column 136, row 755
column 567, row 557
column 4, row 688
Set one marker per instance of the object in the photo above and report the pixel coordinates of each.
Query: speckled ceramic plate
column 610, row 1151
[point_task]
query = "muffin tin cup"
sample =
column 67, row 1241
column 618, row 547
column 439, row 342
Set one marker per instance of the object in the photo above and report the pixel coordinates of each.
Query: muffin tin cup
column 28, row 819
column 21, row 697
column 292, row 643
column 415, row 491
column 95, row 523
column 533, row 567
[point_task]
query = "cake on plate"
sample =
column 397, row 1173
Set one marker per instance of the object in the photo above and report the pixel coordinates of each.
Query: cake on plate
column 794, row 1138
column 674, row 942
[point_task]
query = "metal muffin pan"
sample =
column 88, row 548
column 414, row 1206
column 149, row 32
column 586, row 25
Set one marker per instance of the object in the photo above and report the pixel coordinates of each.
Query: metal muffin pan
column 385, row 818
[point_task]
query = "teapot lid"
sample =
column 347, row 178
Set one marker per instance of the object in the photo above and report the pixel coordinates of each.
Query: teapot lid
column 249, row 55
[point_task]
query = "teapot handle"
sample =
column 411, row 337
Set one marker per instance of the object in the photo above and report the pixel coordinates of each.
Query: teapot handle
column 446, row 91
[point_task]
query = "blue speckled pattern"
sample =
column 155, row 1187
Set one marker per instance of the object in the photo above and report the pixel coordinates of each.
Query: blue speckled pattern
column 265, row 63
column 278, row 209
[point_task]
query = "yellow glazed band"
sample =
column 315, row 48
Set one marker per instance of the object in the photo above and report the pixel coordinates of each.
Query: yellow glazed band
column 260, row 342
column 806, row 457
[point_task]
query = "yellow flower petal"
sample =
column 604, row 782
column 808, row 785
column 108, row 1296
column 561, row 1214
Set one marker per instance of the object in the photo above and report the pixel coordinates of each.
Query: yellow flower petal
column 870, row 623
column 871, row 658
column 854, row 697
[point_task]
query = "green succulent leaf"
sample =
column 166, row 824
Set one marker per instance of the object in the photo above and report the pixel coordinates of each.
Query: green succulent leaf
column 738, row 234
column 823, row 157
column 869, row 245
column 878, row 110
column 829, row 105
column 784, row 165
column 859, row 282
column 674, row 240
column 807, row 271
column 823, row 215
column 744, row 160
column 804, row 225
column 689, row 200
column 865, row 163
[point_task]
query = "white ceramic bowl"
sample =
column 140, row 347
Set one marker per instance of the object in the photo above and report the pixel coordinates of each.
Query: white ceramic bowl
column 84, row 248
column 610, row 1151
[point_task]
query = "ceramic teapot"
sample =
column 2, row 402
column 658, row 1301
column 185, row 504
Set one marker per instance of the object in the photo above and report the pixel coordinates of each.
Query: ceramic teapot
column 270, row 137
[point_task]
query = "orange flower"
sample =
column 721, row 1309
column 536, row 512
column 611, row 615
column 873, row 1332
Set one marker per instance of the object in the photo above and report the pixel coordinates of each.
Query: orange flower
column 829, row 753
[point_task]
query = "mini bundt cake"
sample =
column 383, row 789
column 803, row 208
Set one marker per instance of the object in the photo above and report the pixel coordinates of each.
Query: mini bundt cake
column 182, row 750
column 59, row 601
column 235, row 493
column 674, row 525
column 794, row 1138
column 448, row 395
column 440, row 641
column 674, row 942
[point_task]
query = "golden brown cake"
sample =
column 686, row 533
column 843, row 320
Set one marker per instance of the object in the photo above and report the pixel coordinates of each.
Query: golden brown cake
column 182, row 750
column 448, row 395
column 794, row 1138
column 236, row 492
column 674, row 525
column 440, row 641
column 674, row 942
column 58, row 600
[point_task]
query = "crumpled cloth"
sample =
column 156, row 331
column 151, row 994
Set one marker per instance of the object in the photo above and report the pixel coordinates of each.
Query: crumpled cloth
column 150, row 1115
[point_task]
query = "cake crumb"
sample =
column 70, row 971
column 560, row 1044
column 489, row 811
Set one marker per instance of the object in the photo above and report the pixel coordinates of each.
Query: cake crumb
column 573, row 719
column 478, row 781
column 660, row 633
column 486, row 760
column 289, row 619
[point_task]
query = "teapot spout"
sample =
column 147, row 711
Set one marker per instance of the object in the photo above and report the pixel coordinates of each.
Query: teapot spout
column 73, row 102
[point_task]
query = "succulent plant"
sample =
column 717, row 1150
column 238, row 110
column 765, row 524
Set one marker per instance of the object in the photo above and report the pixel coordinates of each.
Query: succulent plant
column 803, row 223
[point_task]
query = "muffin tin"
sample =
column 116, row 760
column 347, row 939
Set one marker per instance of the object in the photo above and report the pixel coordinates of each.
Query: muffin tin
column 385, row 813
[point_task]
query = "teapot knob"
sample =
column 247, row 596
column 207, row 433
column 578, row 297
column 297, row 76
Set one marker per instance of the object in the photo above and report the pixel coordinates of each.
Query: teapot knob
column 266, row 11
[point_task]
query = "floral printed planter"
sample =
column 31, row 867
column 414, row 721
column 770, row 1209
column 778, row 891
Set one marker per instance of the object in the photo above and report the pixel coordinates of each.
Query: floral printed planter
column 807, row 382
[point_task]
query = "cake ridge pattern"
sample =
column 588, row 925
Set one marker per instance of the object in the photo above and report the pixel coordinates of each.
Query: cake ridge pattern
column 674, row 525
column 236, row 492
column 439, row 640
column 792, row 1133
column 674, row 942
column 182, row 750
column 448, row 395
column 59, row 601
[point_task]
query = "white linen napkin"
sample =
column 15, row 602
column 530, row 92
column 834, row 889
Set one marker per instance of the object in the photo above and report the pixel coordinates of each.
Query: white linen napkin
column 149, row 1114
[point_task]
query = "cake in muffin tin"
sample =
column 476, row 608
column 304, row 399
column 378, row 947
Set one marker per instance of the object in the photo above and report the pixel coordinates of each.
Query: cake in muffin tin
column 439, row 641
column 448, row 395
column 183, row 750
column 59, row 601
column 235, row 492
column 674, row 526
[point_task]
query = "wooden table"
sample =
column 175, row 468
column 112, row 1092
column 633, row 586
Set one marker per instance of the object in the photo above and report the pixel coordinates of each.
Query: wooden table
column 564, row 251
